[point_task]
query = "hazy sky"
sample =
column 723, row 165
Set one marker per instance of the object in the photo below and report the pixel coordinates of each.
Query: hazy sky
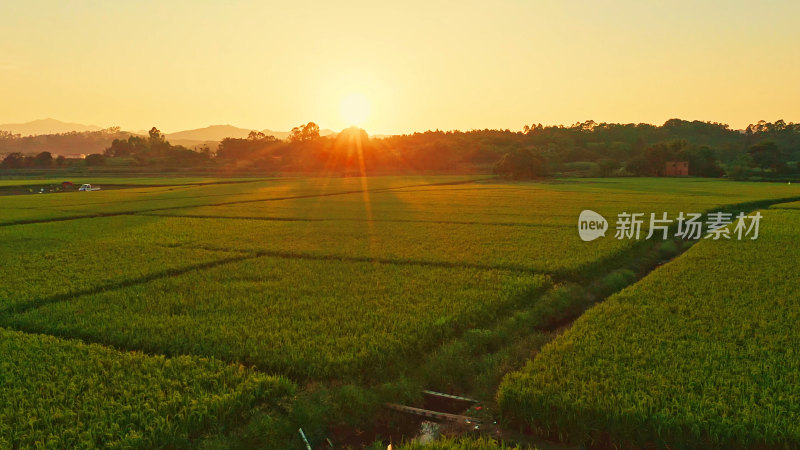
column 420, row 65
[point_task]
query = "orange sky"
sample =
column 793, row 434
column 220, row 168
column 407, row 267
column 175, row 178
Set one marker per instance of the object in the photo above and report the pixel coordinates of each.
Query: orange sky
column 419, row 65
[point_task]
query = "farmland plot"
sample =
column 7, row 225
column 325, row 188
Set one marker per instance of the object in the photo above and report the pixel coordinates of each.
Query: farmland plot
column 19, row 208
column 789, row 205
column 513, row 204
column 700, row 353
column 65, row 394
column 525, row 226
column 293, row 316
column 546, row 249
column 46, row 261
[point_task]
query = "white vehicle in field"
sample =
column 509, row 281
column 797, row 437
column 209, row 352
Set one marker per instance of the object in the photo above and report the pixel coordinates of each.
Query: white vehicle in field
column 88, row 187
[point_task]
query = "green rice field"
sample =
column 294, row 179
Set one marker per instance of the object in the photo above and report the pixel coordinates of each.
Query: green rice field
column 190, row 311
column 701, row 353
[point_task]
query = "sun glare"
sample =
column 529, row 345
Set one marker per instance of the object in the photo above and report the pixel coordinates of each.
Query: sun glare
column 355, row 109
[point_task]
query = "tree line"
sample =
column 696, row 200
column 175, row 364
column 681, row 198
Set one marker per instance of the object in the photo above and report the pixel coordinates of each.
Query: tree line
column 587, row 148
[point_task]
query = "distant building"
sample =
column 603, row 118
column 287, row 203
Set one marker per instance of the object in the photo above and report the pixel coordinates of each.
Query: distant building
column 75, row 156
column 677, row 169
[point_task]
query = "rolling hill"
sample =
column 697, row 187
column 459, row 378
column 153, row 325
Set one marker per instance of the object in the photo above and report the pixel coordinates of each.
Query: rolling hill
column 220, row 132
column 194, row 138
column 46, row 126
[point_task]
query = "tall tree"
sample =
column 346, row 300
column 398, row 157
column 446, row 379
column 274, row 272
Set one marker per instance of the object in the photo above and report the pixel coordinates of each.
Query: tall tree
column 766, row 155
column 305, row 133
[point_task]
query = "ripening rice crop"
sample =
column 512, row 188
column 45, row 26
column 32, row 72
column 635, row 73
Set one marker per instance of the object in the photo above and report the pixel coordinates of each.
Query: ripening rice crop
column 27, row 208
column 789, row 205
column 701, row 353
column 352, row 285
column 462, row 443
column 45, row 262
column 300, row 317
column 503, row 203
column 544, row 249
column 64, row 394
column 525, row 226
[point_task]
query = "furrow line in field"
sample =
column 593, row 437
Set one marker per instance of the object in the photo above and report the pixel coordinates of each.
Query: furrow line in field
column 22, row 308
column 351, row 219
column 60, row 219
column 394, row 261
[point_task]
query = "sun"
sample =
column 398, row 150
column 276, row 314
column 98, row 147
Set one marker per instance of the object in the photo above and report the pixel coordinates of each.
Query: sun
column 355, row 109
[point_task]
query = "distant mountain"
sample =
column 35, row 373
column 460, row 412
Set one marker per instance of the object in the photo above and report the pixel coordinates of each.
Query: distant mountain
column 195, row 144
column 209, row 135
column 212, row 133
column 46, row 126
column 282, row 135
column 216, row 133
column 285, row 134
